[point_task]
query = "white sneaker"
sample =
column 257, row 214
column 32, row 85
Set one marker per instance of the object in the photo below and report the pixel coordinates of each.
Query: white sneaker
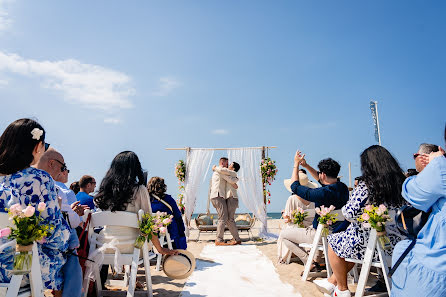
column 339, row 293
column 324, row 285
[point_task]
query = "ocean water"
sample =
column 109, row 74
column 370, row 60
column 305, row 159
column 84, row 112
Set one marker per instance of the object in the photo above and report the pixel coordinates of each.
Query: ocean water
column 270, row 215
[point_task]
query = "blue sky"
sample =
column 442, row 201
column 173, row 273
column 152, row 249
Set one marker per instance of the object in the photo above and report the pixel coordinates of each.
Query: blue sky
column 108, row 76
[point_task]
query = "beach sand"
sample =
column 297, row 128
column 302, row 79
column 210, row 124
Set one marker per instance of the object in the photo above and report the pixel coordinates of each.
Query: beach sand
column 164, row 286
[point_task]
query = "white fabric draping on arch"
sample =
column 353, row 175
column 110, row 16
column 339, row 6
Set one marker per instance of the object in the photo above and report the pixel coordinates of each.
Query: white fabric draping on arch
column 197, row 165
column 250, row 190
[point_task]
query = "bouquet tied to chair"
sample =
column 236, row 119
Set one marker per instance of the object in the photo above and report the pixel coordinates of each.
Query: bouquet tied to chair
column 152, row 224
column 28, row 227
column 376, row 217
column 326, row 218
column 298, row 216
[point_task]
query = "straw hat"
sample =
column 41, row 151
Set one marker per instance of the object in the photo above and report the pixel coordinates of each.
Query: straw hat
column 303, row 179
column 179, row 266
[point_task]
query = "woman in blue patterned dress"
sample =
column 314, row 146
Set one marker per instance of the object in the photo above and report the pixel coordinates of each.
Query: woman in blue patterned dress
column 21, row 145
column 381, row 184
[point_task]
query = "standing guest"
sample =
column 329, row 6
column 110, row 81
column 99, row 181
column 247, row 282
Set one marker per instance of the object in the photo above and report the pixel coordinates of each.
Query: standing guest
column 332, row 192
column 21, row 145
column 160, row 201
column 75, row 187
column 423, row 270
column 87, row 184
column 53, row 163
column 381, row 183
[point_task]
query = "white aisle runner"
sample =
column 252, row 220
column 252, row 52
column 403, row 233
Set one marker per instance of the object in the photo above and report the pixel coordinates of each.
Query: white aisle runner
column 235, row 271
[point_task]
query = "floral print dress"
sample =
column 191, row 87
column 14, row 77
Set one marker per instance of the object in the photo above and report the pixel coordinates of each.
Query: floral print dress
column 352, row 242
column 29, row 187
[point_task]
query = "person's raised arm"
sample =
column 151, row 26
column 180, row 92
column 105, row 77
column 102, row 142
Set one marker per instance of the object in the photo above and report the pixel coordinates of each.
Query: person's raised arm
column 224, row 171
column 310, row 169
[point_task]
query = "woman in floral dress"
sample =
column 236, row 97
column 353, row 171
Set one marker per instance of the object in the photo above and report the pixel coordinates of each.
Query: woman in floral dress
column 21, row 145
column 381, row 184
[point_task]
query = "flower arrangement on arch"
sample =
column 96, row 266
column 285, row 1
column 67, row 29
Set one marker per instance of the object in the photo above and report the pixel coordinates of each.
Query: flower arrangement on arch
column 269, row 170
column 326, row 218
column 376, row 217
column 180, row 173
column 28, row 227
column 152, row 224
column 298, row 216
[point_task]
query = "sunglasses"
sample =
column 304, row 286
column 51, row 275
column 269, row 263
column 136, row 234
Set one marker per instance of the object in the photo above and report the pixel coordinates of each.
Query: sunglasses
column 47, row 146
column 416, row 155
column 64, row 166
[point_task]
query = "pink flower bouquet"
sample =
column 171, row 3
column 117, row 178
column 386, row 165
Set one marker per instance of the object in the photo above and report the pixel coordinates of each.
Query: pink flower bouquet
column 152, row 224
column 28, row 227
column 376, row 217
column 326, row 218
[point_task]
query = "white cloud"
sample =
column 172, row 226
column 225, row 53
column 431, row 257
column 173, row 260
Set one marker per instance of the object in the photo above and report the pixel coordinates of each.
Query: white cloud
column 5, row 20
column 220, row 132
column 112, row 121
column 166, row 86
column 3, row 82
column 88, row 85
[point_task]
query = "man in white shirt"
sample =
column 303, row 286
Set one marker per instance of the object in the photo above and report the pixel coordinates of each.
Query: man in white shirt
column 218, row 195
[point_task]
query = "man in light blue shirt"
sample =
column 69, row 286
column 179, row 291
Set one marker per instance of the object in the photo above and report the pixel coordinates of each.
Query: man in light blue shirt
column 423, row 270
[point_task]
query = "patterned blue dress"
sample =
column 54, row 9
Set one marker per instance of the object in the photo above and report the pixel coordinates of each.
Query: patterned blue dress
column 352, row 242
column 29, row 187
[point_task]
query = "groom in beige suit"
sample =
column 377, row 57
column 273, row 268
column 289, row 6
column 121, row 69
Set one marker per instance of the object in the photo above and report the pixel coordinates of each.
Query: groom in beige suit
column 223, row 195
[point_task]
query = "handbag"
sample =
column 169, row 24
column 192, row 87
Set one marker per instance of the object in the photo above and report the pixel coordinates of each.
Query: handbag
column 83, row 249
column 409, row 222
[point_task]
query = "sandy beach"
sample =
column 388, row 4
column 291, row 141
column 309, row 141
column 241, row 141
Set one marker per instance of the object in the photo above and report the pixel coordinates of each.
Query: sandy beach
column 289, row 274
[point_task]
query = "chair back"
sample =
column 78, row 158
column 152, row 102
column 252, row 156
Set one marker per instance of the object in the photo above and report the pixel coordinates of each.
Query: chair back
column 118, row 218
column 4, row 220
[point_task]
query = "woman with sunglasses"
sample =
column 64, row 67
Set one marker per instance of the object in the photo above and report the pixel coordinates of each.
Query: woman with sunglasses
column 21, row 146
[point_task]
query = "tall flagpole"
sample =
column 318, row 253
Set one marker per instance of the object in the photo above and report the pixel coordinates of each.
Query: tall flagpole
column 377, row 122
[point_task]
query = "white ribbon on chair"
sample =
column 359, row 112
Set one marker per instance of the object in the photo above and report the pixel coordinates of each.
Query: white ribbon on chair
column 98, row 257
column 8, row 244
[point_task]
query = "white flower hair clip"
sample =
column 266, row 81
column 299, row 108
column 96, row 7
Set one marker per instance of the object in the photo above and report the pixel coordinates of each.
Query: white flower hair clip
column 36, row 133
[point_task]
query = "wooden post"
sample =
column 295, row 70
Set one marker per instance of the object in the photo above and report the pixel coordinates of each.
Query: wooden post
column 263, row 183
column 349, row 174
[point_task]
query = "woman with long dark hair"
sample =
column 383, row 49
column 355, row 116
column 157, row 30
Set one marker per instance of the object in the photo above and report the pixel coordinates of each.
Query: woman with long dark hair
column 381, row 183
column 122, row 189
column 160, row 201
column 21, row 145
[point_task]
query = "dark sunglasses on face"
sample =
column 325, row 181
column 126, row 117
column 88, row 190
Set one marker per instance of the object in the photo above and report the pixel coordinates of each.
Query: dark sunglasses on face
column 415, row 155
column 47, row 146
column 64, row 166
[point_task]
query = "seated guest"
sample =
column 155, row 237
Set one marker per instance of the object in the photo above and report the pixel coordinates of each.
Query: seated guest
column 75, row 187
column 357, row 180
column 54, row 163
column 292, row 204
column 160, row 201
column 381, row 183
column 423, row 271
column 333, row 192
column 21, row 145
column 122, row 189
column 87, row 184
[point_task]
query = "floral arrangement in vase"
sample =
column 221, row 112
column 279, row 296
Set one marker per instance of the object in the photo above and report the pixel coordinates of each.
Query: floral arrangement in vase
column 28, row 228
column 152, row 224
column 298, row 216
column 269, row 170
column 326, row 218
column 180, row 173
column 376, row 217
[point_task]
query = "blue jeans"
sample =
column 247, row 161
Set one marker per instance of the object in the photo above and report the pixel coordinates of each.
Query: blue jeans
column 72, row 270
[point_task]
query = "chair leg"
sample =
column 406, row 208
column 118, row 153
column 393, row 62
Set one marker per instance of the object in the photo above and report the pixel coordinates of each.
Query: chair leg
column 14, row 286
column 355, row 273
column 98, row 281
column 327, row 261
column 126, row 274
column 367, row 263
column 313, row 250
column 133, row 273
column 288, row 257
column 36, row 274
column 385, row 268
column 147, row 270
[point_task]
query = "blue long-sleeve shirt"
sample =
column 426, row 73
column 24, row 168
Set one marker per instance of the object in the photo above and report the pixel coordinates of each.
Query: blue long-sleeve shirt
column 335, row 194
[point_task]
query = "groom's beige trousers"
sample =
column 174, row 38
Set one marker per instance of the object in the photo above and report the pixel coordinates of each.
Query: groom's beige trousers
column 226, row 212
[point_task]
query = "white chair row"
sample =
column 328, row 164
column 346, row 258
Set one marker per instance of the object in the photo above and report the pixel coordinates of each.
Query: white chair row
column 384, row 262
column 13, row 287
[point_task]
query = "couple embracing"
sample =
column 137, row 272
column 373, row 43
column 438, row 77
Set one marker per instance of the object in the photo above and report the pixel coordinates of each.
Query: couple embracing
column 223, row 195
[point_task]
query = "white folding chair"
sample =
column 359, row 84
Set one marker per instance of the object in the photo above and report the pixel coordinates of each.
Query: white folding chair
column 383, row 263
column 163, row 239
column 315, row 246
column 35, row 277
column 124, row 219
